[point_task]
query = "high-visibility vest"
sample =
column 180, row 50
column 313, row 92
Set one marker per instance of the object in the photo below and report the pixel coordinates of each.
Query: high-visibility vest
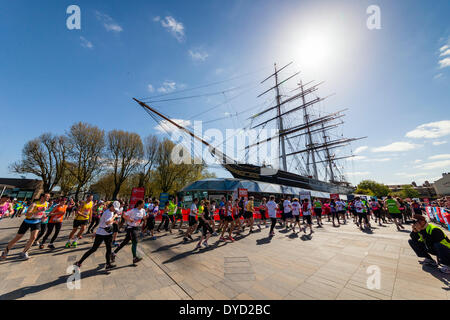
column 429, row 230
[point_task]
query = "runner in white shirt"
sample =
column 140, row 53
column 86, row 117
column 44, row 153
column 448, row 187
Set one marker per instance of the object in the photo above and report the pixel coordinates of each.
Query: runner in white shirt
column 192, row 220
column 133, row 219
column 306, row 209
column 272, row 212
column 288, row 212
column 296, row 208
column 340, row 208
column 103, row 234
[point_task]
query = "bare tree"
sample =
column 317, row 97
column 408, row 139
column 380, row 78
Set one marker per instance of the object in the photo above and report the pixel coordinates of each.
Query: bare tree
column 44, row 157
column 125, row 153
column 86, row 148
column 151, row 145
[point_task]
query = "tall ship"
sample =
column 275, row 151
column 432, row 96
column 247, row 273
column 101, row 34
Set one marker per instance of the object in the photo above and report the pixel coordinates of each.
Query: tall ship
column 306, row 140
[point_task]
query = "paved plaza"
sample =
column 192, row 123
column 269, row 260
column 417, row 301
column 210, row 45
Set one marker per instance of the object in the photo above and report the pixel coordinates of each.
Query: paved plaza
column 331, row 264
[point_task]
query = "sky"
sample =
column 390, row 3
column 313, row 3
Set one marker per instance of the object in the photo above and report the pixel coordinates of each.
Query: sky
column 394, row 81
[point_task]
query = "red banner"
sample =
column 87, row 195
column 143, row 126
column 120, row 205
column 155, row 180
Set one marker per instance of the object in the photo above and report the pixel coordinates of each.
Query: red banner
column 334, row 196
column 136, row 194
column 243, row 193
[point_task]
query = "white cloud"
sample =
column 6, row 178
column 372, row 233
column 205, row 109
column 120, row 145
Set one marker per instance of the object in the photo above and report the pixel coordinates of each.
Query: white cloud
column 445, row 53
column 358, row 173
column 435, row 165
column 444, row 63
column 108, row 22
column 444, row 48
column 431, row 130
column 150, row 88
column 440, row 156
column 198, row 55
column 173, row 26
column 411, row 175
column 165, row 126
column 380, row 160
column 418, row 161
column 397, row 147
column 157, row 18
column 360, row 149
column 86, row 43
column 438, row 143
column 167, row 86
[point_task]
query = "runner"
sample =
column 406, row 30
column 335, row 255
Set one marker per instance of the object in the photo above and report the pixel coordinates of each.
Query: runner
column 133, row 218
column 212, row 221
column 44, row 223
column 340, row 209
column 82, row 219
column 306, row 209
column 165, row 219
column 116, row 222
column 296, row 208
column 334, row 212
column 221, row 214
column 179, row 215
column 192, row 221
column 318, row 211
column 272, row 208
column 393, row 210
column 248, row 213
column 96, row 214
column 375, row 207
column 204, row 221
column 6, row 207
column 32, row 221
column 262, row 211
column 287, row 212
column 55, row 222
column 103, row 234
column 229, row 223
column 172, row 207
column 362, row 214
column 199, row 214
column 150, row 219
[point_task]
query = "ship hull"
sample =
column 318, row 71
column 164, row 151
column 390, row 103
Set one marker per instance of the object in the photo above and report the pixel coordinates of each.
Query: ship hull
column 257, row 173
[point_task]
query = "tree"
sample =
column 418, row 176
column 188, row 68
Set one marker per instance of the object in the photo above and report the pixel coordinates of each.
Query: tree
column 86, row 148
column 68, row 182
column 44, row 157
column 409, row 192
column 125, row 153
column 104, row 186
column 151, row 145
column 376, row 189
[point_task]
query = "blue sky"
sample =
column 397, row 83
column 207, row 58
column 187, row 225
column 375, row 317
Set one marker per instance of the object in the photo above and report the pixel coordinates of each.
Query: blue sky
column 395, row 81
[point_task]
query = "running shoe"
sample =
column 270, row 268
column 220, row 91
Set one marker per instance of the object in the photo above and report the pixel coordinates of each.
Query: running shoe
column 36, row 243
column 199, row 246
column 4, row 254
column 113, row 257
column 185, row 239
column 51, row 246
column 136, row 260
column 67, row 245
column 231, row 238
column 215, row 234
column 429, row 262
column 77, row 264
column 24, row 255
column 41, row 246
column 259, row 227
column 205, row 244
column 189, row 236
column 444, row 269
column 74, row 244
column 271, row 234
column 81, row 237
column 153, row 238
column 110, row 266
column 222, row 239
column 115, row 244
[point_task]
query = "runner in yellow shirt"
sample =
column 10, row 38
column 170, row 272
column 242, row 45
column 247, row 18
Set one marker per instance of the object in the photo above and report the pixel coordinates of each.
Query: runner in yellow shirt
column 82, row 219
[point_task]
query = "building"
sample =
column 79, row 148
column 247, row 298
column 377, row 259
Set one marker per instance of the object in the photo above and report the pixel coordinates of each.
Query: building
column 425, row 191
column 21, row 189
column 442, row 186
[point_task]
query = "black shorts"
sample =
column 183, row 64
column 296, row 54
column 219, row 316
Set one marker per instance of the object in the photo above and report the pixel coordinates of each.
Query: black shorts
column 308, row 219
column 297, row 218
column 115, row 227
column 25, row 226
column 150, row 223
column 192, row 221
column 263, row 214
column 288, row 215
column 341, row 212
column 79, row 223
column 248, row 215
column 179, row 216
column 229, row 218
column 318, row 212
column 171, row 218
column 395, row 215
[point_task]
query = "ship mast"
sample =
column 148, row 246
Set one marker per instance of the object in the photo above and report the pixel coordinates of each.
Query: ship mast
column 280, row 121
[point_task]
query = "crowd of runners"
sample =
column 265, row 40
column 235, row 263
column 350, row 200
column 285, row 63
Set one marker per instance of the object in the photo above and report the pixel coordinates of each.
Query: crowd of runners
column 225, row 218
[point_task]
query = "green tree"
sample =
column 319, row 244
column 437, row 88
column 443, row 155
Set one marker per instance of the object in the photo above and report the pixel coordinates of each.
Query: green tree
column 376, row 189
column 409, row 192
